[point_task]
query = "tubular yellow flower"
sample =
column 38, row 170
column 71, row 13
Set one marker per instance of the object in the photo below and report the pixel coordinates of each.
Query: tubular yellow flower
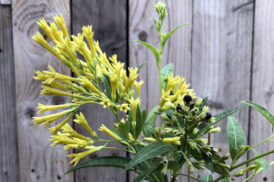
column 60, row 138
column 61, row 23
column 104, row 129
column 133, row 74
column 81, row 120
column 138, row 87
column 105, row 102
column 43, row 108
column 43, row 25
column 58, row 35
column 172, row 140
column 85, row 82
column 81, row 47
column 134, row 103
column 52, row 117
column 56, row 128
column 72, row 133
column 51, row 91
column 87, row 31
column 114, row 84
column 79, row 156
column 123, row 107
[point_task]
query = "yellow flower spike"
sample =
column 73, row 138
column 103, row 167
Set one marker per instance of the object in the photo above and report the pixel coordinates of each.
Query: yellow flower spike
column 87, row 31
column 43, row 108
column 104, row 129
column 52, row 91
column 61, row 24
column 105, row 102
column 81, row 120
column 123, row 107
column 81, row 47
column 51, row 117
column 61, row 77
column 85, row 82
column 56, row 128
column 55, row 32
column 79, row 156
column 134, row 103
column 133, row 74
column 43, row 25
column 72, row 133
column 138, row 87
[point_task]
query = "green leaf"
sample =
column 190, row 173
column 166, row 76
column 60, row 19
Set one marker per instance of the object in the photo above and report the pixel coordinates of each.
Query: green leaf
column 166, row 36
column 124, row 129
column 165, row 72
column 150, row 121
column 150, row 151
column 152, row 49
column 261, row 162
column 218, row 118
column 107, row 85
column 204, row 101
column 108, row 161
column 262, row 110
column 139, row 121
column 235, row 135
column 207, row 178
column 227, row 179
column 139, row 68
column 146, row 173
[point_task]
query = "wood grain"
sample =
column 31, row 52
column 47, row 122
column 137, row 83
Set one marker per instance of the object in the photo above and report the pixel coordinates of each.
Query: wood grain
column 38, row 161
column 221, row 58
column 9, row 171
column 263, row 80
column 5, row 2
column 177, row 51
column 108, row 19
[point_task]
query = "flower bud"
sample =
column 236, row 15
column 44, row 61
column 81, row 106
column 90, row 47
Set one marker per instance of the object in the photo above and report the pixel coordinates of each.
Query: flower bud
column 161, row 10
column 198, row 102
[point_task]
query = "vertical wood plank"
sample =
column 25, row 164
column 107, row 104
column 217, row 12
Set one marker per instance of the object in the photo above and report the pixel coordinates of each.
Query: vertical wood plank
column 8, row 131
column 108, row 19
column 263, row 80
column 177, row 51
column 221, row 58
column 5, row 2
column 38, row 161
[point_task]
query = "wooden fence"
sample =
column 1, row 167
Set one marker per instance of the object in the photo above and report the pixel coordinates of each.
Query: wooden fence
column 226, row 53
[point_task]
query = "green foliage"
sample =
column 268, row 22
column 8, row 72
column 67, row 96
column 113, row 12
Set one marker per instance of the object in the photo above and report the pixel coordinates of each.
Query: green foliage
column 262, row 110
column 235, row 135
column 207, row 178
column 108, row 161
column 107, row 85
column 150, row 121
column 153, row 50
column 150, row 151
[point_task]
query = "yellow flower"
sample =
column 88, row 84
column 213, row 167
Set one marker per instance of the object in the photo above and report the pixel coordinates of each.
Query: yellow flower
column 43, row 25
column 81, row 120
column 79, row 156
column 105, row 102
column 104, row 129
column 133, row 74
column 80, row 45
column 172, row 140
column 123, row 107
column 138, row 87
column 56, row 128
column 85, row 82
column 87, row 31
column 62, row 25
column 50, row 118
column 51, row 91
column 43, row 108
column 72, row 133
column 134, row 103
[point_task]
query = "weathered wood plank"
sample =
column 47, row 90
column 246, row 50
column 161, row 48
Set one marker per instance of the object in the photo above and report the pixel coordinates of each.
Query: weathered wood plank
column 38, row 161
column 221, row 57
column 5, row 2
column 8, row 130
column 263, row 80
column 108, row 19
column 177, row 51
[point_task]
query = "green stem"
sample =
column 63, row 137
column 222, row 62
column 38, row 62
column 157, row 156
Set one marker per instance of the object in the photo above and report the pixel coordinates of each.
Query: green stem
column 250, row 160
column 261, row 142
column 153, row 175
column 196, row 179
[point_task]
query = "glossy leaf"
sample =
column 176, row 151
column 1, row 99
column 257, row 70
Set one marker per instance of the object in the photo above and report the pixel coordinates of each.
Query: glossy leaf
column 152, row 49
column 262, row 110
column 150, row 121
column 236, row 136
column 166, row 36
column 150, row 151
column 207, row 178
column 146, row 173
column 108, row 161
column 107, row 85
column 165, row 72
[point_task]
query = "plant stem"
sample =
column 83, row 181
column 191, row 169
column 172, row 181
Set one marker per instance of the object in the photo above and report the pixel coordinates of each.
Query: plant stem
column 250, row 160
column 153, row 175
